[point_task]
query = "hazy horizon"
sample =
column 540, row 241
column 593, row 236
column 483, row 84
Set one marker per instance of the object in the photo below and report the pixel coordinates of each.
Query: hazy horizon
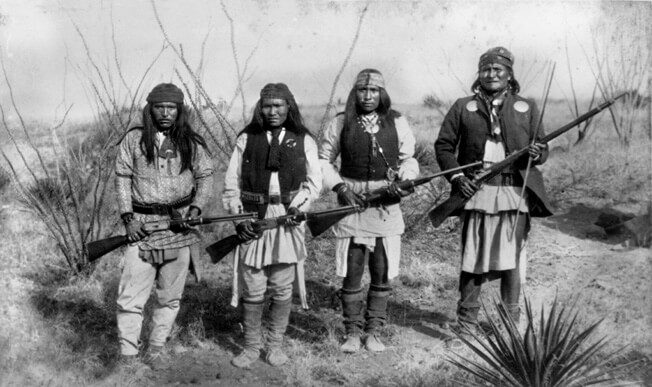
column 421, row 47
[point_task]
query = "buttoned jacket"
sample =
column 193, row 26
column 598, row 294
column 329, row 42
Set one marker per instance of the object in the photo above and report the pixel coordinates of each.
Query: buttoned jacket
column 467, row 126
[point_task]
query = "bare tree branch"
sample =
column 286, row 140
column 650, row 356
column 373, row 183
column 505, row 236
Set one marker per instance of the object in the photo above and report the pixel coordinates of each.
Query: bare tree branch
column 329, row 104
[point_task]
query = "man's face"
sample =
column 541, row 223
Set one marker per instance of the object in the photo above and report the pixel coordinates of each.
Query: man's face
column 494, row 77
column 275, row 111
column 368, row 98
column 164, row 114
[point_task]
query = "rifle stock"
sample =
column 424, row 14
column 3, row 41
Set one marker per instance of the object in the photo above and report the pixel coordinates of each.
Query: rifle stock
column 222, row 248
column 320, row 224
column 97, row 249
column 454, row 202
column 444, row 210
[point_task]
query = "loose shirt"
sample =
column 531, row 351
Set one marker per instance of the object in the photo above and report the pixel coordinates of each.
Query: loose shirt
column 160, row 182
column 385, row 222
column 282, row 244
column 489, row 244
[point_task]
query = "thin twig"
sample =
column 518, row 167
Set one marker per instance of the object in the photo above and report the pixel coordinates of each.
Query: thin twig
column 329, row 104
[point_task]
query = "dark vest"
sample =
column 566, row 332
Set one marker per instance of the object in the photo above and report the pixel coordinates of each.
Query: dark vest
column 254, row 173
column 358, row 162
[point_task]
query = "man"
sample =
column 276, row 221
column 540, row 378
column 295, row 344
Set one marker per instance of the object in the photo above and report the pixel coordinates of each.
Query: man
column 376, row 148
column 163, row 169
column 274, row 170
column 486, row 126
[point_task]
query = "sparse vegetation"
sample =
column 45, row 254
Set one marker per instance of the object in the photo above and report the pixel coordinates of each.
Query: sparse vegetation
column 59, row 327
column 75, row 319
column 553, row 351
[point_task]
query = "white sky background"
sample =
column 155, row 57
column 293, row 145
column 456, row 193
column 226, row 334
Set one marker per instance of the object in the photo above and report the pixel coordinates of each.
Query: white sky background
column 421, row 47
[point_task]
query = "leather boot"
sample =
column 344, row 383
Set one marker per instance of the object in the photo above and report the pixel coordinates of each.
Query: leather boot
column 376, row 316
column 252, row 316
column 352, row 303
column 467, row 312
column 279, row 316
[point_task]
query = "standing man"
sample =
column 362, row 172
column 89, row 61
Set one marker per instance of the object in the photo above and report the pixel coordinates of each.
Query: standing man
column 376, row 148
column 163, row 169
column 274, row 170
column 486, row 126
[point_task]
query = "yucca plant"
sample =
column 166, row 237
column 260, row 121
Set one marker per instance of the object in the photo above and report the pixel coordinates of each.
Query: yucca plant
column 555, row 351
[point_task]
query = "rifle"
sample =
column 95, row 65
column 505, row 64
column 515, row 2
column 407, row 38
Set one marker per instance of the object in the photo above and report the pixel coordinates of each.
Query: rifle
column 444, row 210
column 380, row 195
column 221, row 248
column 96, row 249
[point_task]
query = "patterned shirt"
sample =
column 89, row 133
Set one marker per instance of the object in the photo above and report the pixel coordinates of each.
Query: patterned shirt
column 160, row 182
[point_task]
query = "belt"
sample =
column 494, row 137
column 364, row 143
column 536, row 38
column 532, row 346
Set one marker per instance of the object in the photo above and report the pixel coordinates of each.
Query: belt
column 160, row 208
column 506, row 180
column 259, row 198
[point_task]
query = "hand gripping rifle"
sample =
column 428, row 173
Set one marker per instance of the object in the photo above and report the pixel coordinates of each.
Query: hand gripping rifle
column 444, row 210
column 97, row 249
column 221, row 248
column 377, row 196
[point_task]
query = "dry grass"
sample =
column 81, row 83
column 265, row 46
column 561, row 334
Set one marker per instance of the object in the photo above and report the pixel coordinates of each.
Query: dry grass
column 60, row 330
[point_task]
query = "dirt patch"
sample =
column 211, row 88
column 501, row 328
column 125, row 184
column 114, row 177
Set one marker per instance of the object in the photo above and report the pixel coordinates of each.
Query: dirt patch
column 569, row 259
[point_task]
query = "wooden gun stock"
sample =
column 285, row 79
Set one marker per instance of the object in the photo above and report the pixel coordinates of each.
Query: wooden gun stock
column 97, row 249
column 223, row 247
column 320, row 224
column 456, row 201
column 315, row 221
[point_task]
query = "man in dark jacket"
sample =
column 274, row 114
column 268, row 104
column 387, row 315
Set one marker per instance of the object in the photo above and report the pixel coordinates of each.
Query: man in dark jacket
column 487, row 126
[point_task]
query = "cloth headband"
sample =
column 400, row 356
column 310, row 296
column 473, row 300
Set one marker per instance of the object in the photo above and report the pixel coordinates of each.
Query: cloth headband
column 370, row 78
column 165, row 92
column 498, row 55
column 276, row 91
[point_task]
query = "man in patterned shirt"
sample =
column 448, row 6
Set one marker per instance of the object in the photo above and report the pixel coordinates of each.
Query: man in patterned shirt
column 163, row 170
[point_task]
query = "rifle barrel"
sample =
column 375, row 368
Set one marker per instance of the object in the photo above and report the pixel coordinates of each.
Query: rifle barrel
column 580, row 119
column 445, row 209
column 446, row 172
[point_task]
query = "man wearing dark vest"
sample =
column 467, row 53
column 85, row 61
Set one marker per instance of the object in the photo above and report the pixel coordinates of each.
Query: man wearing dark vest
column 376, row 148
column 163, row 169
column 274, row 170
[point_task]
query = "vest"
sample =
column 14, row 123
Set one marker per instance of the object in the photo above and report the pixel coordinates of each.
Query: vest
column 358, row 161
column 254, row 173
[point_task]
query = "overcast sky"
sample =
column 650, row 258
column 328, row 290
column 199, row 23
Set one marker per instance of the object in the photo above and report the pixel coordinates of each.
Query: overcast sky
column 421, row 47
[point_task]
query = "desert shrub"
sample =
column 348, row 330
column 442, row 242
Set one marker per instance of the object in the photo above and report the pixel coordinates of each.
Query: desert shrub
column 620, row 174
column 432, row 102
column 424, row 153
column 47, row 190
column 5, row 179
column 553, row 351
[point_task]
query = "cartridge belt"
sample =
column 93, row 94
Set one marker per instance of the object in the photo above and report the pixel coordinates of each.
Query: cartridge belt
column 259, row 198
column 161, row 208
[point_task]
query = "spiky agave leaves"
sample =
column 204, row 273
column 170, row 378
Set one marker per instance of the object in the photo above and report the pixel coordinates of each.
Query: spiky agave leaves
column 557, row 353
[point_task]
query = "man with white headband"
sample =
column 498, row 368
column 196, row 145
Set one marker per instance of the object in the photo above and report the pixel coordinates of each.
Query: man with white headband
column 376, row 148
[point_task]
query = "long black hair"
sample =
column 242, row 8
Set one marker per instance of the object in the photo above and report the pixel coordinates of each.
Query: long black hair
column 181, row 134
column 293, row 122
column 352, row 109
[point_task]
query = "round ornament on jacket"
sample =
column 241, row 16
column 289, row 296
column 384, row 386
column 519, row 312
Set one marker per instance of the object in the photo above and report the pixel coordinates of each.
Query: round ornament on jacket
column 472, row 106
column 521, row 106
column 291, row 143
